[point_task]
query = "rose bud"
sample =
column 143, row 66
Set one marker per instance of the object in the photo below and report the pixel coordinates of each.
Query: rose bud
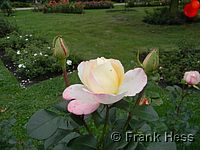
column 192, row 77
column 144, row 101
column 59, row 48
column 151, row 62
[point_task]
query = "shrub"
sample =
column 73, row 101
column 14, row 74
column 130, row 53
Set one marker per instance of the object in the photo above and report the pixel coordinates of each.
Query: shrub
column 98, row 5
column 30, row 57
column 175, row 63
column 161, row 16
column 76, row 7
column 6, row 27
column 38, row 7
column 6, row 7
column 146, row 3
column 21, row 4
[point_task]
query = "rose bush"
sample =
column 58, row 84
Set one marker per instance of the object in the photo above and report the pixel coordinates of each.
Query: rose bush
column 111, row 101
column 104, row 82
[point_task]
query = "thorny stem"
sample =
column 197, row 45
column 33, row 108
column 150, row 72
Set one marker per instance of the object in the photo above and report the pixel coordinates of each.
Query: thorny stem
column 105, row 128
column 130, row 113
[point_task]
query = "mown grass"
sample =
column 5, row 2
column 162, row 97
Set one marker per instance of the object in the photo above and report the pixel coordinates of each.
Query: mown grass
column 111, row 33
column 117, row 34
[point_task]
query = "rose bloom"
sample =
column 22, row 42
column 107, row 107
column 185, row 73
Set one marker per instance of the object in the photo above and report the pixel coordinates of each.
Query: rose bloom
column 104, row 82
column 192, row 77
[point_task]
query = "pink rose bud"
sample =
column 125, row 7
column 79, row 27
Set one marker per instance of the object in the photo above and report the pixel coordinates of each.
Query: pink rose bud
column 151, row 62
column 144, row 101
column 59, row 49
column 192, row 77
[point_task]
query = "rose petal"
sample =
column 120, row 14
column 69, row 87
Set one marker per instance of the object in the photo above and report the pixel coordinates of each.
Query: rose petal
column 106, row 78
column 119, row 70
column 84, row 69
column 109, row 98
column 78, row 92
column 135, row 80
column 84, row 73
column 79, row 108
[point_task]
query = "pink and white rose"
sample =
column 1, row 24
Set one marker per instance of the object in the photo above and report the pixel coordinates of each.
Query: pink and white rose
column 104, row 82
column 192, row 77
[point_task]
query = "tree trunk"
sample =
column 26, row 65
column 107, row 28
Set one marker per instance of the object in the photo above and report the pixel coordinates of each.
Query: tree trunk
column 173, row 7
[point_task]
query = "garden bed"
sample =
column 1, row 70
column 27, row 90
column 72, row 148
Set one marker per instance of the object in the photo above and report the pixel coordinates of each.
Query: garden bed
column 30, row 58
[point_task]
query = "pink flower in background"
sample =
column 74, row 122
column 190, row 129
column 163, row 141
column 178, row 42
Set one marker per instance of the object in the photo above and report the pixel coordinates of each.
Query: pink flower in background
column 104, row 82
column 192, row 77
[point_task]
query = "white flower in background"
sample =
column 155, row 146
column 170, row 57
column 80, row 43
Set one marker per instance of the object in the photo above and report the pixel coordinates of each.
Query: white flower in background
column 26, row 39
column 35, row 54
column 18, row 53
column 26, row 35
column 49, row 47
column 30, row 35
column 7, row 37
column 69, row 62
column 21, row 66
column 45, row 55
column 20, row 36
column 41, row 53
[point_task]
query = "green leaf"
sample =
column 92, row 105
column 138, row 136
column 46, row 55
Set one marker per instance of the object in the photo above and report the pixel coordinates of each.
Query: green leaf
column 61, row 146
column 42, row 124
column 115, row 145
column 98, row 119
column 136, row 124
column 119, row 124
column 67, row 124
column 131, row 145
column 124, row 105
column 146, row 113
column 55, row 138
column 62, row 106
column 112, row 115
column 163, row 145
column 145, row 128
column 77, row 119
column 69, row 137
column 12, row 141
column 85, row 142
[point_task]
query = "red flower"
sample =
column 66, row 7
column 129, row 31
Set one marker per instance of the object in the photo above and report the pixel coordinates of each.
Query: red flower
column 189, row 10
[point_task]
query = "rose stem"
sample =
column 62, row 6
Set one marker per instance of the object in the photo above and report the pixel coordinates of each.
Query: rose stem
column 65, row 76
column 130, row 112
column 85, row 125
column 101, row 143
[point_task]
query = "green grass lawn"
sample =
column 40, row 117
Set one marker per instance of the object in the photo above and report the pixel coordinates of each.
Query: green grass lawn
column 117, row 34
